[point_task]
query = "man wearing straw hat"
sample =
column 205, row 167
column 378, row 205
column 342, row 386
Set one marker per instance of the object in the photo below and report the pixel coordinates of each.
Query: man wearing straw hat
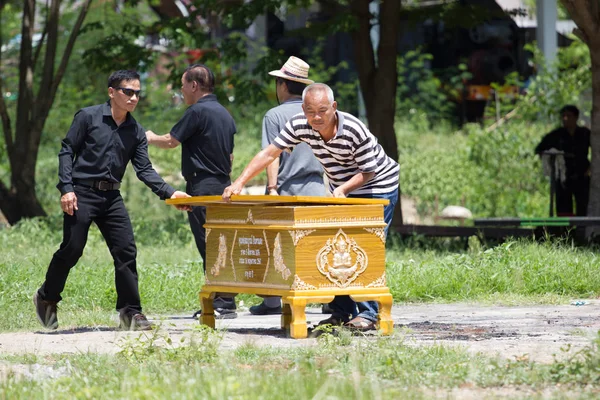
column 291, row 174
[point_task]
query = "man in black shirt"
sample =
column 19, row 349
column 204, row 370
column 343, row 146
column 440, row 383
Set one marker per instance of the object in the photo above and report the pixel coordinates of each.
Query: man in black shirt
column 574, row 141
column 94, row 154
column 205, row 133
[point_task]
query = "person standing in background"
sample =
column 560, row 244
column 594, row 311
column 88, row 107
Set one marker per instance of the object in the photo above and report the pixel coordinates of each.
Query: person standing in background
column 297, row 173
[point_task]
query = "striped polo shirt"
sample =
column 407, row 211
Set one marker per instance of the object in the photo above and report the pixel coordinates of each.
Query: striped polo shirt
column 353, row 149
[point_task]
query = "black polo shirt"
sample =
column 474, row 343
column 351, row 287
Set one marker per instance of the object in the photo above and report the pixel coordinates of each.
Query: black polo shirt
column 576, row 148
column 206, row 135
column 96, row 148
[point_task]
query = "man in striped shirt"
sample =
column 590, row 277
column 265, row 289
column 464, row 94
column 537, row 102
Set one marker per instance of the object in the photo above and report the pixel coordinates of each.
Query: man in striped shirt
column 355, row 164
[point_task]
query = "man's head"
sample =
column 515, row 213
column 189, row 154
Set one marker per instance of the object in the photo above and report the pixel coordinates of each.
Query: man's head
column 569, row 115
column 124, row 89
column 285, row 89
column 319, row 106
column 291, row 79
column 197, row 81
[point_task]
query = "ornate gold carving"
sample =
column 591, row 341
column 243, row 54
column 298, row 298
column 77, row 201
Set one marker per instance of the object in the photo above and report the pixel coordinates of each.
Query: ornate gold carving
column 250, row 219
column 207, row 233
column 320, row 222
column 299, row 234
column 336, row 262
column 331, row 285
column 299, row 284
column 221, row 256
column 231, row 255
column 337, row 221
column 268, row 256
column 379, row 232
column 234, row 221
column 278, row 262
column 379, row 282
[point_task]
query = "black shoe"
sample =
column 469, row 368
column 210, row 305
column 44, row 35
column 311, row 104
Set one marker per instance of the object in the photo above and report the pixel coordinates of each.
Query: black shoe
column 45, row 311
column 224, row 308
column 227, row 303
column 220, row 313
column 325, row 309
column 334, row 320
column 263, row 309
column 135, row 322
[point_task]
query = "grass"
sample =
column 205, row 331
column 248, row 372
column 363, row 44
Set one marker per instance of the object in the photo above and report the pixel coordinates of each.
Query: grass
column 366, row 369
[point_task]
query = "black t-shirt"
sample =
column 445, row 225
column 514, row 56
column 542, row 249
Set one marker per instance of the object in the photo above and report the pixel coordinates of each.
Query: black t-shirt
column 575, row 147
column 206, row 135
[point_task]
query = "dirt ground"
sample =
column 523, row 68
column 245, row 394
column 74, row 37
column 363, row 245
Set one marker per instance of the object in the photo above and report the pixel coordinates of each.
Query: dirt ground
column 536, row 332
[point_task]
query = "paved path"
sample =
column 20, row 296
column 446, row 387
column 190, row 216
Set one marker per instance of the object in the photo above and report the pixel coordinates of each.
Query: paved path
column 537, row 332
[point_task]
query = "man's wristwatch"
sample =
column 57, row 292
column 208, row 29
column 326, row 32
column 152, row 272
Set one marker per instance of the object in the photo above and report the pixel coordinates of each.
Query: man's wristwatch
column 271, row 187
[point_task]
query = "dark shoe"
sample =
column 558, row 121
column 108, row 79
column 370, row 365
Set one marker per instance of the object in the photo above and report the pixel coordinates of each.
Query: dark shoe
column 220, row 313
column 135, row 322
column 224, row 308
column 262, row 309
column 325, row 309
column 226, row 303
column 333, row 320
column 361, row 324
column 45, row 311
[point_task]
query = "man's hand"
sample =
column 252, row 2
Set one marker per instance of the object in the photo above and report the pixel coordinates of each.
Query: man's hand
column 181, row 195
column 150, row 135
column 339, row 192
column 273, row 192
column 232, row 190
column 68, row 203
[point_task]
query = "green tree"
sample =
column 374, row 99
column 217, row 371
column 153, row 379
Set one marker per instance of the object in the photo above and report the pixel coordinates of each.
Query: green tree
column 41, row 69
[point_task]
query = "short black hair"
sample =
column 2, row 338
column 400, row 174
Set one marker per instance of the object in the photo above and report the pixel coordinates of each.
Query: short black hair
column 295, row 88
column 202, row 75
column 570, row 108
column 115, row 79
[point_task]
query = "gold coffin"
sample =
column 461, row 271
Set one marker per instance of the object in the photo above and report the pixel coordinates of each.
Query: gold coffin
column 304, row 249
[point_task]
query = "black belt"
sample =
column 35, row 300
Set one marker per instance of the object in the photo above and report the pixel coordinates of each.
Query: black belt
column 104, row 186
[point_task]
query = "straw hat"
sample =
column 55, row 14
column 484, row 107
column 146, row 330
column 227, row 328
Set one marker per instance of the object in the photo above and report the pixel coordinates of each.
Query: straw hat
column 294, row 69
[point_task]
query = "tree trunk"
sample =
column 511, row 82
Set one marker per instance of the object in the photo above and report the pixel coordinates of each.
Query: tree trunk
column 19, row 200
column 378, row 77
column 586, row 15
column 594, row 203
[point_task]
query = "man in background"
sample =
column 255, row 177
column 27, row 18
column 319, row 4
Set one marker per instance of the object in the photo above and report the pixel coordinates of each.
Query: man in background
column 291, row 174
column 574, row 143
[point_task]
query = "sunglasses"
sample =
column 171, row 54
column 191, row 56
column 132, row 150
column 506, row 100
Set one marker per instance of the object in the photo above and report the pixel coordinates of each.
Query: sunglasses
column 129, row 92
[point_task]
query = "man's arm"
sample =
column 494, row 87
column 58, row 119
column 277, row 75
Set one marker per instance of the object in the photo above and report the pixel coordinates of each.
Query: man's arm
column 272, row 174
column 147, row 174
column 258, row 163
column 70, row 147
column 164, row 142
column 353, row 183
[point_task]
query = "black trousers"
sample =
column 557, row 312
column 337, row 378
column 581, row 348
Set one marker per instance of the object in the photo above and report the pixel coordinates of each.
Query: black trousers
column 578, row 187
column 206, row 185
column 107, row 210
